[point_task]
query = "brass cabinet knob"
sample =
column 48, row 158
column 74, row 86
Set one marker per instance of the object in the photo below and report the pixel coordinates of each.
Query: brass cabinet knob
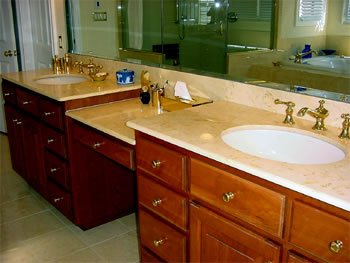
column 155, row 163
column 19, row 122
column 50, row 140
column 52, row 170
column 157, row 243
column 8, row 53
column 58, row 199
column 96, row 145
column 335, row 246
column 48, row 113
column 156, row 202
column 27, row 102
column 8, row 94
column 227, row 197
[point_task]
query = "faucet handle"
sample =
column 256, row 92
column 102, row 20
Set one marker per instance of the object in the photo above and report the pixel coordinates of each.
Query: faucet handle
column 345, row 134
column 289, row 111
column 321, row 108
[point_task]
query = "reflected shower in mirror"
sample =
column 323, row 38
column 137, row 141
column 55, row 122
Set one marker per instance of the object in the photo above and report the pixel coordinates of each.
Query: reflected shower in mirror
column 254, row 41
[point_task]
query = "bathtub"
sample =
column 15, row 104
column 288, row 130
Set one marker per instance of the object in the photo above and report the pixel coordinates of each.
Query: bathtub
column 334, row 64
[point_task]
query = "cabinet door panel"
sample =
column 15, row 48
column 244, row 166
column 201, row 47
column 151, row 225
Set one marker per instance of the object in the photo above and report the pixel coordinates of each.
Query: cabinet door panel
column 216, row 239
column 14, row 128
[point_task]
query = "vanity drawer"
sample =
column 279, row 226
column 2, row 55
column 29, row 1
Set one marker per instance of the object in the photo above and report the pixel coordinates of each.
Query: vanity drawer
column 54, row 141
column 248, row 201
column 161, row 239
column 9, row 93
column 51, row 113
column 147, row 257
column 57, row 170
column 109, row 148
column 162, row 201
column 167, row 165
column 315, row 230
column 28, row 101
column 60, row 199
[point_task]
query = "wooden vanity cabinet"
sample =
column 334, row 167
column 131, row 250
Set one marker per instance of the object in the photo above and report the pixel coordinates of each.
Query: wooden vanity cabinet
column 227, row 215
column 102, row 189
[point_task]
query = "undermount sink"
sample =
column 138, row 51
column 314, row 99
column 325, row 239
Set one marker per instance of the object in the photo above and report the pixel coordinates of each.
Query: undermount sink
column 60, row 79
column 282, row 145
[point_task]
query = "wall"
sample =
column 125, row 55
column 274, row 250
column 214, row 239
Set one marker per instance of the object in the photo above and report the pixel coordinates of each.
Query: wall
column 220, row 89
column 97, row 36
column 338, row 34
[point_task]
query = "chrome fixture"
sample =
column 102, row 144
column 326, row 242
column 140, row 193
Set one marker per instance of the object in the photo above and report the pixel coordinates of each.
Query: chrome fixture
column 289, row 111
column 345, row 134
column 320, row 113
column 299, row 56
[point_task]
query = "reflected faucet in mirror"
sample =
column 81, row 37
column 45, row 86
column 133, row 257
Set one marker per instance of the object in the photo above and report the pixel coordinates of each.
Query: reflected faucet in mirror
column 299, row 56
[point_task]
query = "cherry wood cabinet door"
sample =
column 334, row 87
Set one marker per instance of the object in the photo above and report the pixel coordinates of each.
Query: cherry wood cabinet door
column 216, row 239
column 33, row 152
column 102, row 189
column 14, row 128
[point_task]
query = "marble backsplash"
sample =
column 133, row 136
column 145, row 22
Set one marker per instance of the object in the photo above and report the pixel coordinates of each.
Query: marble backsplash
column 227, row 90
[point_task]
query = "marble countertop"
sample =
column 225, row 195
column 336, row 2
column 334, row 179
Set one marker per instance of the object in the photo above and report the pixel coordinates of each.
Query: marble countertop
column 111, row 118
column 80, row 90
column 199, row 130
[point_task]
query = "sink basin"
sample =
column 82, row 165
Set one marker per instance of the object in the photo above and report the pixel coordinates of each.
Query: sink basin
column 61, row 79
column 282, row 145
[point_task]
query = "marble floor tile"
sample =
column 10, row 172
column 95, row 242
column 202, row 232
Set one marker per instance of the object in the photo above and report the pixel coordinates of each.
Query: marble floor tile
column 129, row 221
column 82, row 256
column 17, row 255
column 12, row 233
column 54, row 245
column 19, row 208
column 120, row 249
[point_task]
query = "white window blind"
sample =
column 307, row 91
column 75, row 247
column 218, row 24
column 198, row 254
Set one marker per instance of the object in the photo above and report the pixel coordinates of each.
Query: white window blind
column 252, row 9
column 311, row 10
column 346, row 16
column 204, row 7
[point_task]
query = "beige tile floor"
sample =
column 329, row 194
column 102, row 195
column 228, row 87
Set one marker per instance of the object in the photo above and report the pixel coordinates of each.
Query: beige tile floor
column 33, row 231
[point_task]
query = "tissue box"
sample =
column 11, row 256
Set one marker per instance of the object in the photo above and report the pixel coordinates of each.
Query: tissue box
column 174, row 103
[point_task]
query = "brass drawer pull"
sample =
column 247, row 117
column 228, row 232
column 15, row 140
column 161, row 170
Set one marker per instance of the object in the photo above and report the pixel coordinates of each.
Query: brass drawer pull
column 58, row 199
column 156, row 202
column 46, row 113
column 155, row 163
column 8, row 94
column 15, row 120
column 157, row 243
column 227, row 197
column 50, row 141
column 96, row 145
column 27, row 102
column 19, row 122
column 335, row 246
column 52, row 170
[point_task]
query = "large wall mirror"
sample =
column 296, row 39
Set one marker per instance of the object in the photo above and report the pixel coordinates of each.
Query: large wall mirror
column 300, row 45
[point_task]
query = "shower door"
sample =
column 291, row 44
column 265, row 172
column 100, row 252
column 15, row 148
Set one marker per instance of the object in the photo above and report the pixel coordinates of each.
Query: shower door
column 202, row 34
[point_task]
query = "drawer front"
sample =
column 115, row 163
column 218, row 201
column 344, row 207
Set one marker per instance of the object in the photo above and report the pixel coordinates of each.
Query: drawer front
column 28, row 101
column 248, row 201
column 57, row 170
column 147, row 257
column 9, row 93
column 60, row 199
column 162, row 201
column 54, row 141
column 161, row 239
column 51, row 113
column 293, row 258
column 167, row 165
column 316, row 230
column 109, row 148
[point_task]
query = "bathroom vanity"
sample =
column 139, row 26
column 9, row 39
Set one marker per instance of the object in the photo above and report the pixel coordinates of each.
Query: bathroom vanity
column 56, row 155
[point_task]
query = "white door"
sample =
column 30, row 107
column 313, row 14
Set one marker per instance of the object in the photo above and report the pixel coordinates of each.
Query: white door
column 8, row 60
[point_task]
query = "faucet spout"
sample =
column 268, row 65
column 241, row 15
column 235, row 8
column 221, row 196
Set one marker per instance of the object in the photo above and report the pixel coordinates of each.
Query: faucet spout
column 320, row 113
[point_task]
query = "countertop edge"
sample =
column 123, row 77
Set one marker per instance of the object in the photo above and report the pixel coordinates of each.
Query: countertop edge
column 329, row 199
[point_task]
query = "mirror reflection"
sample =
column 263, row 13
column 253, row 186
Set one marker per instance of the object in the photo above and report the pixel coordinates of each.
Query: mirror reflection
column 304, row 44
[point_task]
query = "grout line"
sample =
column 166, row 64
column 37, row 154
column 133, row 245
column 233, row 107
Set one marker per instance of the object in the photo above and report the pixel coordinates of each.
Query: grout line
column 23, row 217
column 4, row 203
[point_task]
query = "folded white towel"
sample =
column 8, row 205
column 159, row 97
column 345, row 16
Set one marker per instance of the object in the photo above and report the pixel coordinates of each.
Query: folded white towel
column 181, row 91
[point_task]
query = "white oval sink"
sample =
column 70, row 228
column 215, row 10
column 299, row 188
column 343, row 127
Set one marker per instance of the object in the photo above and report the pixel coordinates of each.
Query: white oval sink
column 283, row 146
column 61, row 79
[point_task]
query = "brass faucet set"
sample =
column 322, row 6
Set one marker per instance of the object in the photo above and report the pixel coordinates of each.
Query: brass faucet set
column 320, row 114
column 62, row 65
column 94, row 70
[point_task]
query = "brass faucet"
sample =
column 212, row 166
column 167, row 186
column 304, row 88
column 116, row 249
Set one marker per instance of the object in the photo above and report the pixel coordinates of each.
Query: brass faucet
column 299, row 56
column 320, row 113
column 289, row 111
column 345, row 134
column 91, row 66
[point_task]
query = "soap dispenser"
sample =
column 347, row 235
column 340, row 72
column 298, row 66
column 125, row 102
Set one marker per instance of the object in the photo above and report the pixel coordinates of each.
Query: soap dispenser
column 307, row 49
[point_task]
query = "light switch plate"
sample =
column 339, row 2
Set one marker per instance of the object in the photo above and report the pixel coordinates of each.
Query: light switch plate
column 97, row 4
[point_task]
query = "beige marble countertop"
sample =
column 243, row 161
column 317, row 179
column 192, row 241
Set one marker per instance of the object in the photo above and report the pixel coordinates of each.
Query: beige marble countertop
column 80, row 90
column 111, row 118
column 199, row 130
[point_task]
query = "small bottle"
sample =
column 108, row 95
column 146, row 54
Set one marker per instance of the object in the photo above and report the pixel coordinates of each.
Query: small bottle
column 307, row 49
column 145, row 96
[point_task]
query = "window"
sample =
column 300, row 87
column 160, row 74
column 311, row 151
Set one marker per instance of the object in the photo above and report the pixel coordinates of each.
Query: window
column 311, row 12
column 204, row 7
column 346, row 14
column 252, row 9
